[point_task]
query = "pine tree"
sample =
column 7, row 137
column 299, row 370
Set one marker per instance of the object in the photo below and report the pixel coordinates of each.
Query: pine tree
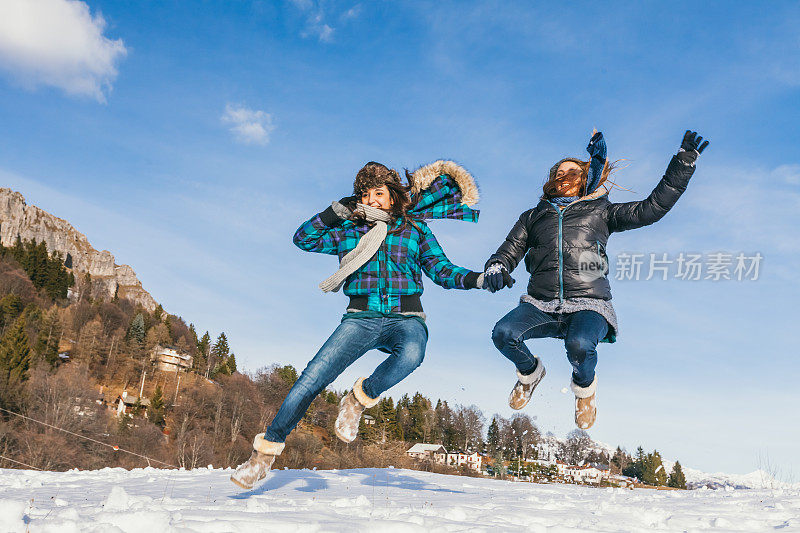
column 658, row 469
column 47, row 340
column 15, row 353
column 620, row 460
column 676, row 477
column 11, row 306
column 444, row 422
column 193, row 338
column 18, row 251
column 386, row 421
column 653, row 470
column 155, row 412
column 498, row 465
column 219, row 353
column 418, row 410
column 493, row 436
column 136, row 331
column 636, row 468
column 221, row 349
column 231, row 364
column 203, row 348
column 288, row 374
column 368, row 432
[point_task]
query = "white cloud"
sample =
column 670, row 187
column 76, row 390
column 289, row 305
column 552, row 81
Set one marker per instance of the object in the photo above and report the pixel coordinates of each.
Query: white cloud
column 317, row 12
column 249, row 126
column 753, row 208
column 352, row 13
column 58, row 43
column 787, row 173
column 316, row 26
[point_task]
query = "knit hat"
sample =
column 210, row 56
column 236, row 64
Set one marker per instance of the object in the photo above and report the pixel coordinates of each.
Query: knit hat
column 374, row 175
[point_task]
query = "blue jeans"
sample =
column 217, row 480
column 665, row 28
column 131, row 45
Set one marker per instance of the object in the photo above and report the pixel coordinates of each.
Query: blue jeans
column 581, row 332
column 404, row 339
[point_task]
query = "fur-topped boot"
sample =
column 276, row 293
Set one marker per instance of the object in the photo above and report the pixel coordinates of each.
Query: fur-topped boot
column 350, row 409
column 585, row 404
column 255, row 469
column 523, row 390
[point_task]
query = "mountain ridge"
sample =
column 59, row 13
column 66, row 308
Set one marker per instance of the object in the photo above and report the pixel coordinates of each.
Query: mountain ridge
column 17, row 218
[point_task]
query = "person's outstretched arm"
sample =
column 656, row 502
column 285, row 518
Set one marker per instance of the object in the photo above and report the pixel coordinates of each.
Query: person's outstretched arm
column 438, row 267
column 632, row 215
column 322, row 232
column 498, row 268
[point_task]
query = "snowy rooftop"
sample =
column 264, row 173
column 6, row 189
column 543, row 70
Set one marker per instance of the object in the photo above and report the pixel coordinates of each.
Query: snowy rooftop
column 424, row 448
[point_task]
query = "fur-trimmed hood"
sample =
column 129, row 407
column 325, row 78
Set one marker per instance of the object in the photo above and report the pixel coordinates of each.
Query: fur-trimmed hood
column 444, row 189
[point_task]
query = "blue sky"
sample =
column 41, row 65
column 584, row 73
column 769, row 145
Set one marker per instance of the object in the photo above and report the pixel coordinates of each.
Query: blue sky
column 191, row 139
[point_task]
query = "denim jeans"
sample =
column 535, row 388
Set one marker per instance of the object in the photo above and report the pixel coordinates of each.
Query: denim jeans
column 581, row 331
column 404, row 339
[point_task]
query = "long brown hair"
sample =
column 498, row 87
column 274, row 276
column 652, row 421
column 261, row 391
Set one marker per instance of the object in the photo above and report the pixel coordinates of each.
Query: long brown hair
column 550, row 189
column 377, row 174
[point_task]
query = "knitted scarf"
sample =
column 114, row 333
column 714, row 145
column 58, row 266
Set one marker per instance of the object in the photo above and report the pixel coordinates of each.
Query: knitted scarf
column 367, row 247
column 564, row 200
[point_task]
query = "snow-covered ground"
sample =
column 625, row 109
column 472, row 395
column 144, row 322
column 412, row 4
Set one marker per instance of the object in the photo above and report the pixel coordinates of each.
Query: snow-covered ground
column 373, row 500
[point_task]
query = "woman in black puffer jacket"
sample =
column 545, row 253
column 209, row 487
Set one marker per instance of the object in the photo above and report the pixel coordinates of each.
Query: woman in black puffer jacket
column 563, row 241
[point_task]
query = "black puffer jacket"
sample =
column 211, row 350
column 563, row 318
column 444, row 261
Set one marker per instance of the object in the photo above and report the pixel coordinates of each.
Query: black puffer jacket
column 555, row 241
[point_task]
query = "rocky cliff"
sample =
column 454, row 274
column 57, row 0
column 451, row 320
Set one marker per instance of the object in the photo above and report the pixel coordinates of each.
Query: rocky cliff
column 30, row 222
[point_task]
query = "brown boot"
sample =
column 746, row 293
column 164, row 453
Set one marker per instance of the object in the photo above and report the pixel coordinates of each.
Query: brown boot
column 255, row 469
column 523, row 390
column 585, row 404
column 350, row 409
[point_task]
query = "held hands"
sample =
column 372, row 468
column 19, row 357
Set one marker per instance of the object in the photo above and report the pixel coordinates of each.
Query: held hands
column 691, row 147
column 497, row 277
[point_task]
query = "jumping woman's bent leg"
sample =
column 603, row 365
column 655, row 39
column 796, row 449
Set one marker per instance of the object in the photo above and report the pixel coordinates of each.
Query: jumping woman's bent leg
column 352, row 339
column 526, row 321
column 585, row 330
column 405, row 340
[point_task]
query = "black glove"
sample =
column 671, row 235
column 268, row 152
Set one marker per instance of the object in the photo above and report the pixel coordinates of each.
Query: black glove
column 339, row 211
column 691, row 147
column 497, row 277
column 349, row 202
column 471, row 280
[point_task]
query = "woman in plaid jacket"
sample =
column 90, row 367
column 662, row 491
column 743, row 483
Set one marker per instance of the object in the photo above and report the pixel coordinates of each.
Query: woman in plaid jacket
column 384, row 246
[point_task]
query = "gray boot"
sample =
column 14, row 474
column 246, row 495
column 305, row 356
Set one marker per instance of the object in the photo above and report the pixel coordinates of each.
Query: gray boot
column 523, row 390
column 351, row 407
column 255, row 469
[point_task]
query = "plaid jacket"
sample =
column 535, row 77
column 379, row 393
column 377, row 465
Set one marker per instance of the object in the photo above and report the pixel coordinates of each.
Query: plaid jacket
column 396, row 269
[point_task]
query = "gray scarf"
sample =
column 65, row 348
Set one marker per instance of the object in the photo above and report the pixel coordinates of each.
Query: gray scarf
column 367, row 246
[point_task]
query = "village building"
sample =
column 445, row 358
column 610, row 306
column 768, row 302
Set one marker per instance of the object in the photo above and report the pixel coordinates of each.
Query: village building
column 593, row 474
column 170, row 359
column 471, row 459
column 127, row 404
column 434, row 452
